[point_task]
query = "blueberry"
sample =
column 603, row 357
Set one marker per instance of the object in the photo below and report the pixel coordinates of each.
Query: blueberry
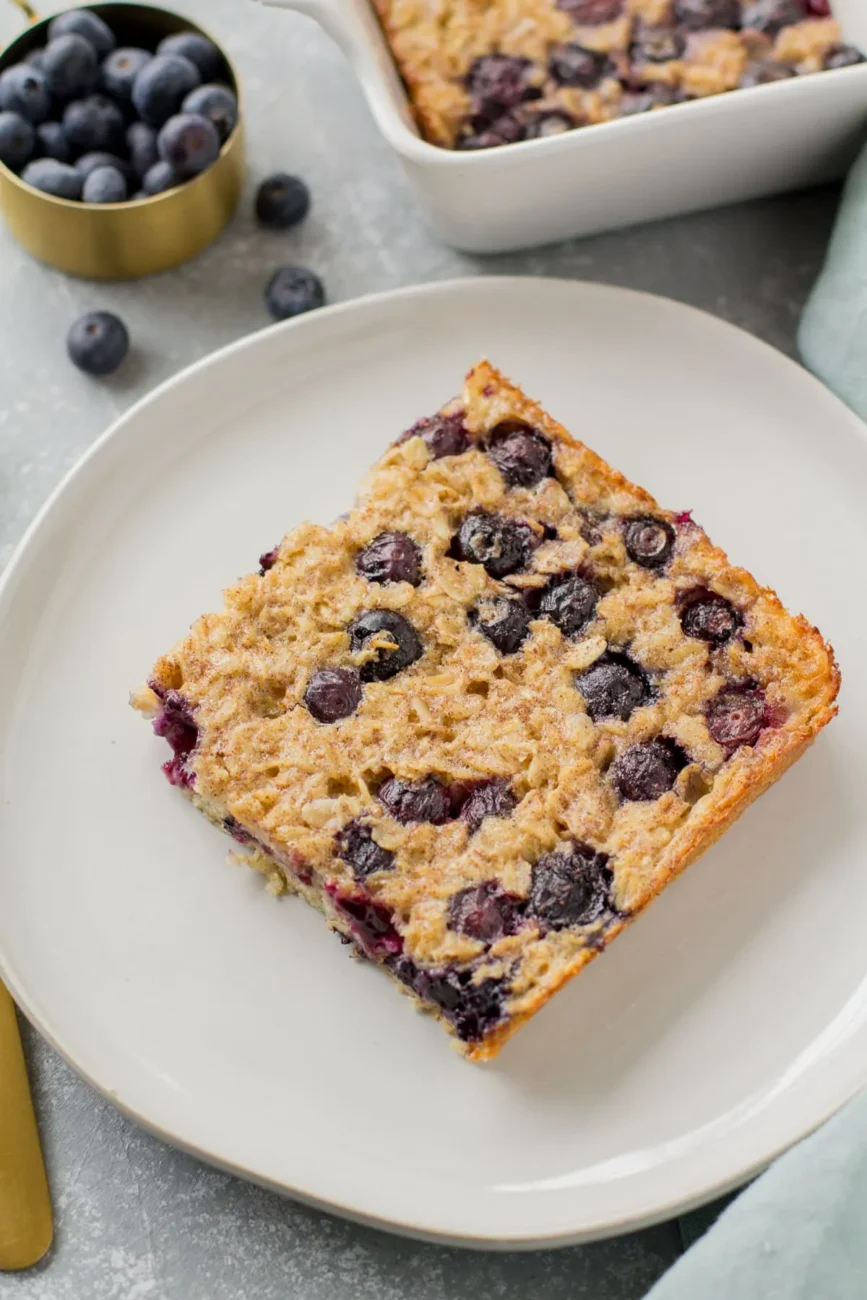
column 89, row 162
column 443, row 435
column 482, row 134
column 141, row 143
column 473, row 1009
column 17, row 140
column 613, row 687
column 498, row 82
column 642, row 101
column 485, row 912
column 70, row 66
column 491, row 799
column 282, row 201
column 189, row 144
column 593, row 12
column 769, row 16
column 649, row 541
column 371, row 923
column 647, row 770
column 293, row 290
column 657, row 45
column 541, row 125
column 84, row 23
column 504, row 621
column 416, row 801
column 35, row 58
column 736, row 716
column 394, row 641
column 709, row 617
column 52, row 142
column 520, row 453
column 569, row 602
column 333, row 693
column 158, row 179
column 202, row 53
column 268, row 560
column 842, row 56
column 390, row 557
column 176, row 724
column 94, row 124
column 97, row 343
column 161, row 87
column 570, row 887
column 573, row 65
column 502, row 545
column 216, row 103
column 354, row 844
column 119, row 71
column 52, row 177
column 764, row 71
column 104, row 185
column 23, row 90
column 695, row 15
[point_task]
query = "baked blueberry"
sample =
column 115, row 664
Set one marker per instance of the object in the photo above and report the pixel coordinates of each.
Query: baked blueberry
column 502, row 545
column 158, row 179
column 354, row 844
column 393, row 641
column 267, row 560
column 593, row 12
column 573, row 65
column 658, row 95
column 480, row 133
column 472, row 1008
column 570, row 887
column 695, row 15
column 649, row 541
column 86, row 24
column 499, row 82
column 540, row 125
column 104, row 185
column 218, row 104
column 613, row 687
column 769, row 16
column 23, row 90
column 443, row 435
column 282, row 201
column 17, row 140
column 70, row 67
column 842, row 56
column 485, row 912
column 333, row 693
column 176, row 724
column 390, row 557
column 709, row 617
column 371, row 923
column 504, row 620
column 520, row 453
column 53, row 177
column 569, row 601
column 416, row 801
column 97, row 342
column 51, row 142
column 119, row 71
column 765, row 71
column 293, row 290
column 161, row 87
column 657, row 45
column 141, row 141
column 490, row 799
column 647, row 770
column 188, row 143
column 94, row 124
column 736, row 716
column 202, row 53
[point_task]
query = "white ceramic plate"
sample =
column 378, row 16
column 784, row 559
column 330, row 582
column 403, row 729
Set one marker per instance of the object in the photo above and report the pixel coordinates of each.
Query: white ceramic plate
column 725, row 1024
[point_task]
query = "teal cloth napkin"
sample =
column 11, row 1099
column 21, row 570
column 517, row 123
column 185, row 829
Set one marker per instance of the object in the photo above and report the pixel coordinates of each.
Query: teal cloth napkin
column 798, row 1233
column 833, row 334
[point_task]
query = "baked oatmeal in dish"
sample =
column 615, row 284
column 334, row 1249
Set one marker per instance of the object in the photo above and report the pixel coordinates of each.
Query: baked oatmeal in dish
column 486, row 717
column 481, row 73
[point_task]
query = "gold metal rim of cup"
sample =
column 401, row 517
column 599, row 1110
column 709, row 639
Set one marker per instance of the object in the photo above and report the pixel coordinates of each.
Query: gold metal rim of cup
column 128, row 205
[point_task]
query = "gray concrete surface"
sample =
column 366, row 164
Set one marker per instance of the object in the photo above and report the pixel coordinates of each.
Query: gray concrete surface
column 137, row 1220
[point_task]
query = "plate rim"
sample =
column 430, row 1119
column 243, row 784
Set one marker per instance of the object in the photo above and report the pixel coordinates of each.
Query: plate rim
column 609, row 1225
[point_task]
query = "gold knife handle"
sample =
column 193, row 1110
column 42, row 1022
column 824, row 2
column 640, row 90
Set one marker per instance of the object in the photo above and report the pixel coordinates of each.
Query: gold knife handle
column 26, row 1227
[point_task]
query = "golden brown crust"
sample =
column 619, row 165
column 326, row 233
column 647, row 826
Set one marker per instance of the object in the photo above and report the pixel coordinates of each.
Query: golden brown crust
column 466, row 713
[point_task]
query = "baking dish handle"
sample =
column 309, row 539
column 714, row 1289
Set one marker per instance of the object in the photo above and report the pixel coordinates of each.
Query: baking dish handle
column 331, row 16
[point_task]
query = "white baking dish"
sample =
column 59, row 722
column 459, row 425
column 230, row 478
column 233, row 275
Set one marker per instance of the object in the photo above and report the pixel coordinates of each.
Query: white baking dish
column 716, row 150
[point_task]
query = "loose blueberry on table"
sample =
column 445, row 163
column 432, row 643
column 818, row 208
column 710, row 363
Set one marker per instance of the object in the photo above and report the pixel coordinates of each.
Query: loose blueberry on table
column 98, row 342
